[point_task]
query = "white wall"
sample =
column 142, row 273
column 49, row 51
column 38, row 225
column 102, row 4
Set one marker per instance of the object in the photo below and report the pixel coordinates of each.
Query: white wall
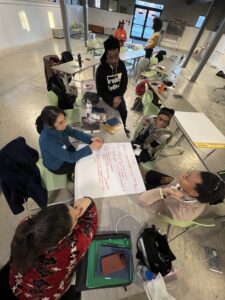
column 108, row 19
column 12, row 33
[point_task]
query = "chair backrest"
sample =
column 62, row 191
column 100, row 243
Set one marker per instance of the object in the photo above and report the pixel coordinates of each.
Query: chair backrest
column 178, row 223
column 52, row 98
column 153, row 61
column 147, row 97
column 150, row 110
column 138, row 47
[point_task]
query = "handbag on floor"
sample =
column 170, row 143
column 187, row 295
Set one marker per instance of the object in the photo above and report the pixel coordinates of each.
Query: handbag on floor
column 154, row 251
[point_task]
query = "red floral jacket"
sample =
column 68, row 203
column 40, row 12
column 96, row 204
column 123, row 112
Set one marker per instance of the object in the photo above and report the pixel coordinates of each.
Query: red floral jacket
column 52, row 278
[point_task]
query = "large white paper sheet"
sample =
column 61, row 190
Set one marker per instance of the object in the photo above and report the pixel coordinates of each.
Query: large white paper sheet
column 111, row 171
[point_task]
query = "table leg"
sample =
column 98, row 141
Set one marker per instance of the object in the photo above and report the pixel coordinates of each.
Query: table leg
column 66, row 82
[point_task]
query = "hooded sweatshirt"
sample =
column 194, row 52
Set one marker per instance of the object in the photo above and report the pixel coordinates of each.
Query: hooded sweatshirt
column 111, row 82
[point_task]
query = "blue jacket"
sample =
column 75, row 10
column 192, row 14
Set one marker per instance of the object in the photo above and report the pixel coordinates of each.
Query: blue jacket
column 54, row 146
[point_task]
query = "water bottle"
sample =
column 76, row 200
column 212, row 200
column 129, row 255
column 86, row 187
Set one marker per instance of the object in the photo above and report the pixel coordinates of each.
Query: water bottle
column 144, row 272
column 181, row 58
column 88, row 108
column 79, row 60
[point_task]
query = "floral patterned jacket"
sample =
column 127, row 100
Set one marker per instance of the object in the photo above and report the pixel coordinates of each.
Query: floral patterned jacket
column 52, row 278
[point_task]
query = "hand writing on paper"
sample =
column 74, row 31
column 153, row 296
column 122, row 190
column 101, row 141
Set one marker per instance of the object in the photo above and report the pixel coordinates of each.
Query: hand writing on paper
column 97, row 139
column 95, row 145
column 168, row 191
column 116, row 101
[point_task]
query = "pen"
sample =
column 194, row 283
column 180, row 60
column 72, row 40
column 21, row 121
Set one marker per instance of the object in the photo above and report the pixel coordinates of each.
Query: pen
column 207, row 155
column 114, row 245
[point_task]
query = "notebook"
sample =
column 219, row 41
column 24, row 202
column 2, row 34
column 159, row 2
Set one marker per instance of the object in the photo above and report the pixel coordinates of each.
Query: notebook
column 113, row 122
column 111, row 129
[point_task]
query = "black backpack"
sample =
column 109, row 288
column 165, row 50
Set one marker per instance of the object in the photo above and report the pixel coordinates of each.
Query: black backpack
column 66, row 56
column 93, row 97
column 137, row 106
column 154, row 251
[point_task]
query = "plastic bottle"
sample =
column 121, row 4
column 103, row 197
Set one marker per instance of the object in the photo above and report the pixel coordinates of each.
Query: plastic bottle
column 144, row 272
column 181, row 58
column 88, row 108
column 79, row 60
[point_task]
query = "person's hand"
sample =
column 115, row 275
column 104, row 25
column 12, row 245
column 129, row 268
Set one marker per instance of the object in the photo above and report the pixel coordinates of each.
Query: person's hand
column 116, row 101
column 144, row 121
column 168, row 191
column 81, row 205
column 95, row 145
column 97, row 139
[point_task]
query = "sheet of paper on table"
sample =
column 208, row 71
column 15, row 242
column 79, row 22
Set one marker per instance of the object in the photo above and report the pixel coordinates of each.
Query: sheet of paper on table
column 111, row 171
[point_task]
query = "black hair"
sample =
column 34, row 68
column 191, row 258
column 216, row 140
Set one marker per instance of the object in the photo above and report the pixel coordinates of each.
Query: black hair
column 120, row 22
column 48, row 117
column 169, row 112
column 157, row 24
column 111, row 43
column 211, row 190
column 37, row 234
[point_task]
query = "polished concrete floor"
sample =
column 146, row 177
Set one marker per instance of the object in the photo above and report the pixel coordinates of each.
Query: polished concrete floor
column 22, row 97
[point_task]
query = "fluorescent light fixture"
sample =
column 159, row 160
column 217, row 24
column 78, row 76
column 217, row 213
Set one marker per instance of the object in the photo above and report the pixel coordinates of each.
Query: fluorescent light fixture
column 24, row 21
column 51, row 19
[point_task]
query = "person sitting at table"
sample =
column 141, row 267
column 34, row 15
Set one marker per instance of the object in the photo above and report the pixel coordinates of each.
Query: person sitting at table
column 111, row 78
column 47, row 247
column 120, row 33
column 58, row 154
column 154, row 133
column 185, row 197
column 144, row 62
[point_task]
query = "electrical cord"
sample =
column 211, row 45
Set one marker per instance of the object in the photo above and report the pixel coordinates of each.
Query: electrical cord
column 125, row 216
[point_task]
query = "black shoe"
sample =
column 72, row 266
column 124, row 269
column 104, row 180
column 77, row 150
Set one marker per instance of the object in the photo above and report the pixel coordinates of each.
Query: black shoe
column 127, row 130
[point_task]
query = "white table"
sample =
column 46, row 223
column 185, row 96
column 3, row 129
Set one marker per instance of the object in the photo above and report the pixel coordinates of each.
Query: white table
column 134, row 55
column 72, row 68
column 110, row 209
column 171, row 67
column 214, row 162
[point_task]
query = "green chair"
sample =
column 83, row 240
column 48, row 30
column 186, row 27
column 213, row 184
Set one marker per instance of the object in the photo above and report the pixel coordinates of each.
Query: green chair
column 137, row 47
column 187, row 225
column 150, row 73
column 73, row 115
column 50, row 180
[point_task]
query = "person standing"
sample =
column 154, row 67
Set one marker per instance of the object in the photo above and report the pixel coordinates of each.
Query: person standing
column 143, row 64
column 120, row 33
column 111, row 78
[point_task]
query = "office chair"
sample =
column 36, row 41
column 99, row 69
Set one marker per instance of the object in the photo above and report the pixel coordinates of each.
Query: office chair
column 73, row 116
column 187, row 225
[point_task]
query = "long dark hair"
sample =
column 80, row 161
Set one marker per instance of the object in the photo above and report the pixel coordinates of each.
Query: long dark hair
column 211, row 190
column 48, row 117
column 157, row 24
column 37, row 234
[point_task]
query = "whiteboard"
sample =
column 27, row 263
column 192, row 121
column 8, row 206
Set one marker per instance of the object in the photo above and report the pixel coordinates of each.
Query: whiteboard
column 200, row 130
column 111, row 171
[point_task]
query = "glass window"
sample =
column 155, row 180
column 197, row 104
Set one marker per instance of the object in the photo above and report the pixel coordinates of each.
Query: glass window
column 199, row 22
column 112, row 5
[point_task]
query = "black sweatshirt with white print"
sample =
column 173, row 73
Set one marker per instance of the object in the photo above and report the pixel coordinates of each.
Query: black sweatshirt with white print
column 111, row 82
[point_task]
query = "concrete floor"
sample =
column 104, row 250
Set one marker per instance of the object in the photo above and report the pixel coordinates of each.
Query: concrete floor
column 22, row 96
